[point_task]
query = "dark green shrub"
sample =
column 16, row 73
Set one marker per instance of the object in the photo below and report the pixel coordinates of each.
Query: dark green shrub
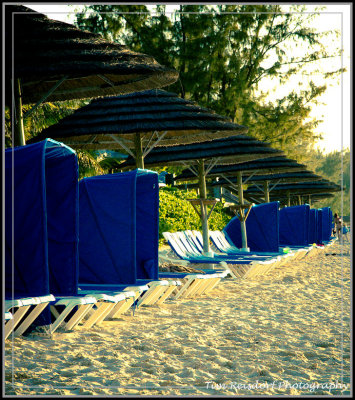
column 177, row 214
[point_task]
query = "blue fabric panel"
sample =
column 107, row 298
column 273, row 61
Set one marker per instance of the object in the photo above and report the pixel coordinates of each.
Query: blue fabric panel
column 107, row 232
column 147, row 224
column 319, row 225
column 27, row 275
column 294, row 225
column 45, row 219
column 62, row 220
column 312, row 226
column 326, row 224
column 262, row 227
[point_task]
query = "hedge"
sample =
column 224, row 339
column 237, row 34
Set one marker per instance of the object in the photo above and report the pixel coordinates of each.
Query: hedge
column 177, row 214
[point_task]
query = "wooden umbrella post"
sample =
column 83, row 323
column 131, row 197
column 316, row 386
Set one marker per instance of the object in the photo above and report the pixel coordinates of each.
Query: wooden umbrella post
column 243, row 216
column 299, row 199
column 266, row 192
column 18, row 133
column 138, row 151
column 288, row 199
column 309, row 200
column 204, row 215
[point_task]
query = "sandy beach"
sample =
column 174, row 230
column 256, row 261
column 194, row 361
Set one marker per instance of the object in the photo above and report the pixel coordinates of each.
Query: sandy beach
column 287, row 332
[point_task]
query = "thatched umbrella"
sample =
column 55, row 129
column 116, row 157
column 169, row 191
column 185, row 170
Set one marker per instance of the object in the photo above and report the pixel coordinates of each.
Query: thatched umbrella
column 290, row 177
column 48, row 60
column 287, row 177
column 299, row 189
column 138, row 122
column 269, row 165
column 246, row 171
column 222, row 151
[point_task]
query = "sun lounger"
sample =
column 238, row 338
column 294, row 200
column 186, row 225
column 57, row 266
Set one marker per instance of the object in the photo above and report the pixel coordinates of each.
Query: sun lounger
column 240, row 267
column 261, row 263
column 69, row 311
column 24, row 312
column 147, row 292
column 224, row 244
column 105, row 303
column 196, row 284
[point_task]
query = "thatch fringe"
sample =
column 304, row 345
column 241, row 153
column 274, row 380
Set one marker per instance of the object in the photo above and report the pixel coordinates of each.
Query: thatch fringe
column 269, row 165
column 46, row 50
column 144, row 112
column 231, row 150
column 320, row 186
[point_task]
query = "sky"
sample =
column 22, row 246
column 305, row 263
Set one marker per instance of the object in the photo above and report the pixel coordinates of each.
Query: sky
column 335, row 110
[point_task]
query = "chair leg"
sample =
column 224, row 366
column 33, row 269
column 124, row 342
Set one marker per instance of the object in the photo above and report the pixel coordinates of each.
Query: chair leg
column 30, row 318
column 160, row 290
column 17, row 317
column 74, row 320
column 194, row 287
column 166, row 294
column 150, row 295
column 184, row 287
column 122, row 307
column 93, row 319
column 212, row 285
column 80, row 314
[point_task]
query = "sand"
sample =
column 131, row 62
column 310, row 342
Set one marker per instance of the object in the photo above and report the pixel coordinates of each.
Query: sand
column 285, row 333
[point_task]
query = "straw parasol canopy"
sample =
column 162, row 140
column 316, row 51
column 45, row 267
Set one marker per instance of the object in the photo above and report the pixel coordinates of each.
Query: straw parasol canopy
column 271, row 165
column 301, row 188
column 291, row 199
column 267, row 179
column 139, row 121
column 291, row 177
column 298, row 189
column 229, row 150
column 46, row 51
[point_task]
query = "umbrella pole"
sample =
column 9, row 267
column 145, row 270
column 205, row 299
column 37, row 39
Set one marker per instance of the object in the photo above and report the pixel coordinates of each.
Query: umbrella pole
column 242, row 215
column 204, row 218
column 18, row 132
column 138, row 151
column 309, row 200
column 266, row 191
column 288, row 199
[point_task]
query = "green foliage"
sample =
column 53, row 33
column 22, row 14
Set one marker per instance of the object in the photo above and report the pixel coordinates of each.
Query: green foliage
column 335, row 167
column 88, row 164
column 225, row 55
column 177, row 214
column 44, row 116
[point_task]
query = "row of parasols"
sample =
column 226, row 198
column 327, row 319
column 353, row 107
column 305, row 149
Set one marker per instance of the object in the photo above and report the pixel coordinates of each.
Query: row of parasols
column 48, row 61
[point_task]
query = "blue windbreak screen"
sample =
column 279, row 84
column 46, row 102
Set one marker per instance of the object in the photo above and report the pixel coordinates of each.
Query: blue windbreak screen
column 107, row 213
column 326, row 224
column 147, row 225
column 294, row 225
column 40, row 202
column 262, row 227
column 312, row 226
column 119, row 224
column 319, row 225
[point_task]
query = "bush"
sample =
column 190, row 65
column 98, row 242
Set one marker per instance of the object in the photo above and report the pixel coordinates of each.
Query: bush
column 177, row 214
